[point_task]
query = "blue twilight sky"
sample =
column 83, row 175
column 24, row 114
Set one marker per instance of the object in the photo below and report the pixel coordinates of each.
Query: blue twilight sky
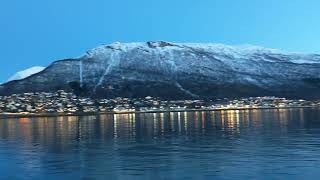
column 37, row 32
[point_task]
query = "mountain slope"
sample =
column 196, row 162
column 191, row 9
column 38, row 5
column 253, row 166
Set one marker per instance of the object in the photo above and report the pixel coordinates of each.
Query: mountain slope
column 26, row 73
column 175, row 70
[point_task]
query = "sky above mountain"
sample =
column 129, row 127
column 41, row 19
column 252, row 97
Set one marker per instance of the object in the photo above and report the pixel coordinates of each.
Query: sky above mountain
column 37, row 32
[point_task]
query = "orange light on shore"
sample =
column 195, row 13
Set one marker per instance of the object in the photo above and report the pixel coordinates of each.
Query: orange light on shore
column 24, row 120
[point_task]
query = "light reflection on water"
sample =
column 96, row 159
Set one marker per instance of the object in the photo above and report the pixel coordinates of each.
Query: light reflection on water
column 248, row 144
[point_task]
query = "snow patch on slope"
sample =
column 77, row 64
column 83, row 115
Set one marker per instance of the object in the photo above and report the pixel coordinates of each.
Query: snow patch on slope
column 26, row 73
column 114, row 61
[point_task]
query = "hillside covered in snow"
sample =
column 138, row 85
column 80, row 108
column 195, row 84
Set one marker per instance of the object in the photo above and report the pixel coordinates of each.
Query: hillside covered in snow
column 179, row 70
column 26, row 73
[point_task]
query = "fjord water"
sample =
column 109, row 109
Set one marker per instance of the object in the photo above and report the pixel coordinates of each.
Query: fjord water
column 248, row 144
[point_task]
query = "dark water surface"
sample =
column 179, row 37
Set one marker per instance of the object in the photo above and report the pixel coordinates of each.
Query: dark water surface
column 252, row 144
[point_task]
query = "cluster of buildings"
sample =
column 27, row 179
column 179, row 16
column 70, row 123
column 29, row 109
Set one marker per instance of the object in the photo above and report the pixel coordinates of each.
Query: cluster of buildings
column 64, row 102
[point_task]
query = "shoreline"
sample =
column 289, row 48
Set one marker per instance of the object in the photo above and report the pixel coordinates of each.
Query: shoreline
column 31, row 115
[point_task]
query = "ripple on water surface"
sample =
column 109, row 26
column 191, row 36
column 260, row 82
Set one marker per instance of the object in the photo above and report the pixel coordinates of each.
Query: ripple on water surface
column 248, row 144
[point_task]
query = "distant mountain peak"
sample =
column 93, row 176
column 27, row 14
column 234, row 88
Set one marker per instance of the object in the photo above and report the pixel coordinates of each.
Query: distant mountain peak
column 26, row 73
column 154, row 44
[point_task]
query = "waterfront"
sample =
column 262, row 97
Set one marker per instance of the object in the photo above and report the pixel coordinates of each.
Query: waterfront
column 66, row 103
column 232, row 144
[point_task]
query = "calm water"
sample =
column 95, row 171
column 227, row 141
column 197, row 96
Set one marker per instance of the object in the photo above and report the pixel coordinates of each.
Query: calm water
column 255, row 144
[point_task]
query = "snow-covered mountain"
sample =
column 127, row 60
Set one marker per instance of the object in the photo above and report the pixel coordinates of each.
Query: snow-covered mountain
column 26, row 73
column 179, row 70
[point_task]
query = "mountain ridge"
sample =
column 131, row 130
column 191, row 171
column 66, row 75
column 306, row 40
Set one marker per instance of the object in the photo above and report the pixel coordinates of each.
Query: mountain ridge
column 179, row 70
column 26, row 73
